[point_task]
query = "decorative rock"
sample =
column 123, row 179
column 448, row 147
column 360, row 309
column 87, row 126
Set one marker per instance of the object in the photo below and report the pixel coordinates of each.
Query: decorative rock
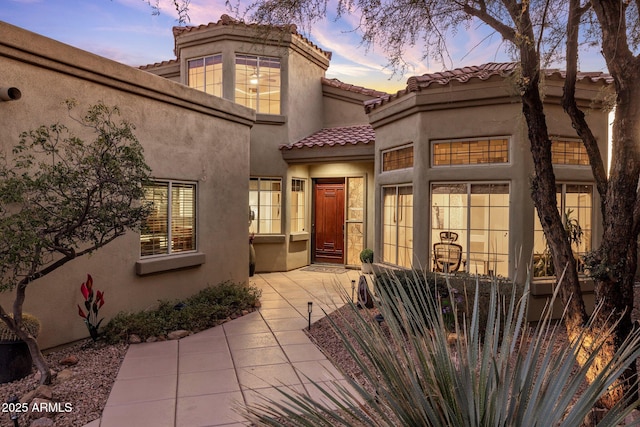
column 42, row 392
column 162, row 338
column 245, row 312
column 176, row 335
column 42, row 422
column 70, row 360
column 38, row 375
column 134, row 339
column 64, row 375
column 151, row 339
column 257, row 304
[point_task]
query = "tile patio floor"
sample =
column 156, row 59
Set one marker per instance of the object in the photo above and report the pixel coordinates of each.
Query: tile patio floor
column 202, row 379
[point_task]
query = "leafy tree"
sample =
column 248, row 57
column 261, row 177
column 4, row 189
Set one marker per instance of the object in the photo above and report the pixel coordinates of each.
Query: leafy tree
column 535, row 32
column 62, row 198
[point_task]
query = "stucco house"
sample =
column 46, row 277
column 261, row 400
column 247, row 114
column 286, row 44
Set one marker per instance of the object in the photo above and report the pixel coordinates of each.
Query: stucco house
column 455, row 142
column 197, row 146
column 311, row 186
column 248, row 135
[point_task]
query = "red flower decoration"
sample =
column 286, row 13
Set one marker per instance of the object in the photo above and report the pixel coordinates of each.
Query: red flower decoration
column 81, row 313
column 100, row 298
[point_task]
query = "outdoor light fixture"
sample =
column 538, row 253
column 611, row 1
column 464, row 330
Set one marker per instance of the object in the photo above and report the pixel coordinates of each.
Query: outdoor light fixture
column 10, row 93
column 353, row 290
column 14, row 408
column 309, row 310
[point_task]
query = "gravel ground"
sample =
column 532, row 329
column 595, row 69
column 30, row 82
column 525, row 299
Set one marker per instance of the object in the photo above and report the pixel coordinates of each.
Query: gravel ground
column 85, row 392
column 93, row 376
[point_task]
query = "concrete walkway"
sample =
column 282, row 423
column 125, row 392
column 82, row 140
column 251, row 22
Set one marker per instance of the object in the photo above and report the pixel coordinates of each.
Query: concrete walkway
column 200, row 379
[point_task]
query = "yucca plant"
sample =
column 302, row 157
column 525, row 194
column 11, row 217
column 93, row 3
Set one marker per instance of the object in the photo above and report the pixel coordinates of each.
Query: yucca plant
column 419, row 373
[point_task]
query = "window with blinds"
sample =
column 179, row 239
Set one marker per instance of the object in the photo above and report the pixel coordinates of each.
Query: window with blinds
column 171, row 226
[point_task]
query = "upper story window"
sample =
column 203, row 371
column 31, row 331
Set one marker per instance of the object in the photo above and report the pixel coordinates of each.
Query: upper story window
column 265, row 200
column 258, row 83
column 470, row 152
column 205, row 74
column 171, row 226
column 569, row 153
column 398, row 158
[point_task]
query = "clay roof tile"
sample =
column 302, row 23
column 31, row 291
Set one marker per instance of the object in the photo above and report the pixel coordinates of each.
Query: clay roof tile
column 338, row 136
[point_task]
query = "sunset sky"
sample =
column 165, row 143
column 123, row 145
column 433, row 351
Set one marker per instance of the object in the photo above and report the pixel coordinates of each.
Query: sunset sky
column 126, row 31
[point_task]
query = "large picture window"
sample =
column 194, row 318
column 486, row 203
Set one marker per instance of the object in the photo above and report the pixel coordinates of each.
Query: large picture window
column 205, row 74
column 265, row 198
column 397, row 225
column 298, row 205
column 171, row 226
column 258, row 83
column 474, row 216
column 470, row 152
column 575, row 204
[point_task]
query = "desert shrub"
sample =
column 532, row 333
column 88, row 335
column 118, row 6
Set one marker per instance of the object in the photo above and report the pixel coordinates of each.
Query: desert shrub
column 208, row 308
column 459, row 288
column 511, row 374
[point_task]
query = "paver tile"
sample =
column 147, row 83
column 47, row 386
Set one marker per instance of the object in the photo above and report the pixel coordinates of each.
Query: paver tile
column 158, row 413
column 208, row 410
column 207, row 382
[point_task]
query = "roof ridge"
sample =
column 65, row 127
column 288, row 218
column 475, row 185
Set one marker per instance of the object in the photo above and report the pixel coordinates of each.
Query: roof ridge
column 482, row 72
column 333, row 82
column 226, row 20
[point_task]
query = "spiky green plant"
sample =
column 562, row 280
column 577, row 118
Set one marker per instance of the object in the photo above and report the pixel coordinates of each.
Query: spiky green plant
column 30, row 323
column 511, row 374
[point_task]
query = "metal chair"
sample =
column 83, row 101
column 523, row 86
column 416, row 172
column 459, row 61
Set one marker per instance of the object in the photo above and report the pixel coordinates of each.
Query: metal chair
column 448, row 236
column 447, row 257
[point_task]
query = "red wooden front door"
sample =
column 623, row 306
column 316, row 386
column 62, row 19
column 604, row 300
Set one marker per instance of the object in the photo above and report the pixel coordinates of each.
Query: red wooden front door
column 328, row 223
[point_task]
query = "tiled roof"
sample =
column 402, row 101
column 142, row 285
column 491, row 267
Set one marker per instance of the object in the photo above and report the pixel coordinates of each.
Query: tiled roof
column 481, row 72
column 158, row 64
column 226, row 20
column 351, row 88
column 344, row 135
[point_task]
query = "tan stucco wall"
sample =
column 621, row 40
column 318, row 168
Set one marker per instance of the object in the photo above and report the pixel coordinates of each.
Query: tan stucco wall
column 343, row 108
column 187, row 135
column 475, row 109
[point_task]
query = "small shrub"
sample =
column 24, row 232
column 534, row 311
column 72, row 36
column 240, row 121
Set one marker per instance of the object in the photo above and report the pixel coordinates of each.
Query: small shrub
column 203, row 310
column 366, row 256
column 420, row 285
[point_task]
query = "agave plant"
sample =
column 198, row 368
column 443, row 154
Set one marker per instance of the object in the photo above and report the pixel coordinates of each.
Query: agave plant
column 419, row 373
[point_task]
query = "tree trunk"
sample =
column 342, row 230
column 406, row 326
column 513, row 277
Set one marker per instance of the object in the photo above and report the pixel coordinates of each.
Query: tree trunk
column 543, row 192
column 16, row 325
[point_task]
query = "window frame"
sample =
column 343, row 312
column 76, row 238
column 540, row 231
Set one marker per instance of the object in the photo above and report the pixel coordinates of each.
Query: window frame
column 265, row 98
column 396, row 233
column 467, row 253
column 303, row 216
column 581, row 153
column 562, row 208
column 169, row 224
column 471, row 139
column 204, row 59
column 397, row 149
column 257, row 231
